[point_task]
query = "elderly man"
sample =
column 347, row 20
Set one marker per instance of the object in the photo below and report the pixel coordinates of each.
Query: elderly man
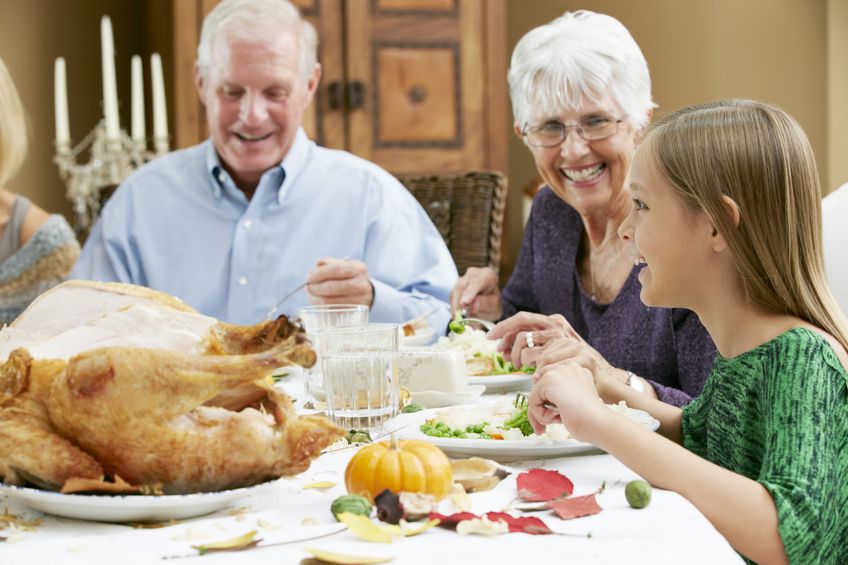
column 235, row 223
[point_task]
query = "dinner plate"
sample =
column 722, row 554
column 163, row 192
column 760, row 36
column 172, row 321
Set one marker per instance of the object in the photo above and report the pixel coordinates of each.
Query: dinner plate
column 127, row 508
column 509, row 450
column 503, row 383
column 439, row 399
column 422, row 337
column 289, row 372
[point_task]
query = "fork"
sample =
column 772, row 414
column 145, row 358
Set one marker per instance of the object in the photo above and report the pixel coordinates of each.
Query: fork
column 523, row 401
column 291, row 293
column 485, row 324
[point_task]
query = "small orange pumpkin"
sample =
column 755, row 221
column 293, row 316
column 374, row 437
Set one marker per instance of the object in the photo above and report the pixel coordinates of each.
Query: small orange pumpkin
column 404, row 466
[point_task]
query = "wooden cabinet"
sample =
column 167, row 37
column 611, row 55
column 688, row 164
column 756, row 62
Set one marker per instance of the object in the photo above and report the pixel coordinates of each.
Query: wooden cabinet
column 417, row 86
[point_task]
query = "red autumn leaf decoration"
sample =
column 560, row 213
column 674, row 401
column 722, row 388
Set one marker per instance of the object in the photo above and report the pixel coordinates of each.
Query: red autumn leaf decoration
column 527, row 525
column 452, row 519
column 540, row 485
column 576, row 507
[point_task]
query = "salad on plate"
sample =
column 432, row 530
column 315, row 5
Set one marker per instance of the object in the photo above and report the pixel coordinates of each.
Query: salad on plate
column 482, row 357
column 508, row 422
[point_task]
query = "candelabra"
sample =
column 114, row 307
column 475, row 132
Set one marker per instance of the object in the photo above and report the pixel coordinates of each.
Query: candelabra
column 110, row 161
column 112, row 153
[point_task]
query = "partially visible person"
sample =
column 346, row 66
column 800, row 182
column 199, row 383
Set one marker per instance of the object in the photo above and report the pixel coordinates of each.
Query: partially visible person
column 235, row 223
column 581, row 97
column 835, row 238
column 726, row 221
column 37, row 250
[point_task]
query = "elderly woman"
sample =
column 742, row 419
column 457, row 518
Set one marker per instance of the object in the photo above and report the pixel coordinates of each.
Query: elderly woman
column 37, row 250
column 581, row 94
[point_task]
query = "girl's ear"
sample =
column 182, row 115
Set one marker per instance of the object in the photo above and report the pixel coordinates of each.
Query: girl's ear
column 719, row 243
column 732, row 209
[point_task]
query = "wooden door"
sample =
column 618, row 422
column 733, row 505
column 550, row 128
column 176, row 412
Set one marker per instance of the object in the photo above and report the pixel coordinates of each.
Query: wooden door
column 418, row 66
column 324, row 120
column 417, row 86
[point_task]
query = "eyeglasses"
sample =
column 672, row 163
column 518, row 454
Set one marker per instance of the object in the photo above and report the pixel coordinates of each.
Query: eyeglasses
column 551, row 134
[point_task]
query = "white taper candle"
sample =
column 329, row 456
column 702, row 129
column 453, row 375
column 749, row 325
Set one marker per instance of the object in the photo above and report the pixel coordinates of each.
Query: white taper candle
column 160, row 111
column 60, row 101
column 138, row 129
column 110, row 88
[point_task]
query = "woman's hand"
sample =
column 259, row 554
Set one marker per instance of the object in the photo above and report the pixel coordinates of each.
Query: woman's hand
column 515, row 343
column 477, row 292
column 565, row 392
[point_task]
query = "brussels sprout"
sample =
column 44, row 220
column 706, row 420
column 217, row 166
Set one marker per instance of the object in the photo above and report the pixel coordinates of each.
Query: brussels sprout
column 638, row 493
column 352, row 503
column 358, row 436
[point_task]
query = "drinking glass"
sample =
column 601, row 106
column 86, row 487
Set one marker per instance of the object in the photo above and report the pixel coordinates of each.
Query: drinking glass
column 360, row 374
column 321, row 317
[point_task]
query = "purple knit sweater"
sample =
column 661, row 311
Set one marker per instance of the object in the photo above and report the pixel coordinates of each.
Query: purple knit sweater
column 669, row 347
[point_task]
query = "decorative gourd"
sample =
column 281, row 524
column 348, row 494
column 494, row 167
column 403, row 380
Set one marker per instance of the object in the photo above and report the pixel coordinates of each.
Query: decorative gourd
column 404, row 466
column 351, row 503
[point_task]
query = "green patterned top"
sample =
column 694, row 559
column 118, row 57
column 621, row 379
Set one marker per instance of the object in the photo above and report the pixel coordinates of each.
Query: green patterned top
column 778, row 414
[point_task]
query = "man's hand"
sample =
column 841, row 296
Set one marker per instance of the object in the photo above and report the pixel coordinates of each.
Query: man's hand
column 339, row 281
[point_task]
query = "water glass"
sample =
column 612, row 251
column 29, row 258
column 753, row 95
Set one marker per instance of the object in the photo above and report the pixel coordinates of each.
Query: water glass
column 321, row 317
column 360, row 374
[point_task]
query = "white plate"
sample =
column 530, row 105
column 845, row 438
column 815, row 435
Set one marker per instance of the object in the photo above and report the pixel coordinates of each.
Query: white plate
column 288, row 372
column 503, row 383
column 439, row 399
column 421, row 337
column 127, row 508
column 509, row 450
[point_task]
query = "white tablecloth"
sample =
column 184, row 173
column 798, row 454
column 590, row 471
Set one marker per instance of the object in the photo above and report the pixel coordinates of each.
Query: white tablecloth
column 669, row 530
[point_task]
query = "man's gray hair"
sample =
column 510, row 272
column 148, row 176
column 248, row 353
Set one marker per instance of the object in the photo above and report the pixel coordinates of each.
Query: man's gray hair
column 577, row 58
column 247, row 19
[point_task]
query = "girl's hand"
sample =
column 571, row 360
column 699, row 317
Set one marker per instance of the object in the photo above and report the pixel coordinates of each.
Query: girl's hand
column 565, row 392
column 584, row 355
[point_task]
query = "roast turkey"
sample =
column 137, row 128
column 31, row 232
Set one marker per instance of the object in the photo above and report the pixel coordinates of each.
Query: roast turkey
column 102, row 383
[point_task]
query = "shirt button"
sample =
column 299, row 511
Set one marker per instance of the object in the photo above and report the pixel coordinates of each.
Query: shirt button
column 247, row 224
column 242, row 281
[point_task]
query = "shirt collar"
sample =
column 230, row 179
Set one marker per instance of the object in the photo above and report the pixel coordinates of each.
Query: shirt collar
column 217, row 173
column 293, row 163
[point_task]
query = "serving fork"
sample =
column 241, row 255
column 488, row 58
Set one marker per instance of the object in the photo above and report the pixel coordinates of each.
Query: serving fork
column 485, row 324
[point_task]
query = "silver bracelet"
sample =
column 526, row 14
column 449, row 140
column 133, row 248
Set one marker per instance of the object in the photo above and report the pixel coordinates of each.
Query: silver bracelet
column 635, row 382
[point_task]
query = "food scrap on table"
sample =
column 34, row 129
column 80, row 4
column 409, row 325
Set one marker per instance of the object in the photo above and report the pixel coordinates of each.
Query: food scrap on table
column 476, row 474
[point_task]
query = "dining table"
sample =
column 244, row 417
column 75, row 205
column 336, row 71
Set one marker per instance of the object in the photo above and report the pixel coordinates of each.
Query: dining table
column 291, row 517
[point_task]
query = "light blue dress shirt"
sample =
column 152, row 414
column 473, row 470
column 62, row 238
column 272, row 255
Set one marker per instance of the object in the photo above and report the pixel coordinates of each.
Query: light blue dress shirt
column 179, row 224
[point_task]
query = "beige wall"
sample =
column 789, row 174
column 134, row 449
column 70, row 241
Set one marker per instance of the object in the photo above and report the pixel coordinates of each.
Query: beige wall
column 790, row 52
column 837, row 93
column 32, row 34
column 701, row 50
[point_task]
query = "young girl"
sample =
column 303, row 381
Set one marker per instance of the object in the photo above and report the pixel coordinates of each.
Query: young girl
column 727, row 222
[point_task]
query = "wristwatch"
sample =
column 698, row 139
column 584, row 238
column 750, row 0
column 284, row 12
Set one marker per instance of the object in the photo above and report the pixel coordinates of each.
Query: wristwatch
column 635, row 382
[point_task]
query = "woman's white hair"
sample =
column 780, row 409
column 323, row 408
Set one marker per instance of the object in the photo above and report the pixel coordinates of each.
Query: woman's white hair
column 579, row 57
column 248, row 19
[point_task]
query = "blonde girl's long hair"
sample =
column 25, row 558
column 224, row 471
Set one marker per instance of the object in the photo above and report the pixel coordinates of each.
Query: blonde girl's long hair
column 759, row 156
column 13, row 127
